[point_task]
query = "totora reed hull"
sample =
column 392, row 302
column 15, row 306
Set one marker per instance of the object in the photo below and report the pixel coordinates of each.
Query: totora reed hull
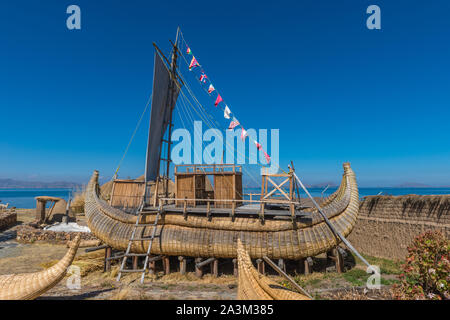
column 254, row 286
column 198, row 236
column 28, row 286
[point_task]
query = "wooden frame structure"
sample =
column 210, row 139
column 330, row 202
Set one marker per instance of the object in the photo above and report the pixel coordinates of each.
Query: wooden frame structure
column 267, row 195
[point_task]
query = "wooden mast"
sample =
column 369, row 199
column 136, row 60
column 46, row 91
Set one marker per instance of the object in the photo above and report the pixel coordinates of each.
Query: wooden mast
column 172, row 90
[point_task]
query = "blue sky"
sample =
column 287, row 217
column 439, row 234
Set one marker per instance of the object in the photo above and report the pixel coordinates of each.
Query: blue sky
column 70, row 100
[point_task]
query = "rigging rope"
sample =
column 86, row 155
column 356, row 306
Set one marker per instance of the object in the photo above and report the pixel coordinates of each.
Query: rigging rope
column 132, row 136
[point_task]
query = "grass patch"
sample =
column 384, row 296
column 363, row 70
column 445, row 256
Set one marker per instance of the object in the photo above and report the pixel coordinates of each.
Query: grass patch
column 386, row 266
column 356, row 277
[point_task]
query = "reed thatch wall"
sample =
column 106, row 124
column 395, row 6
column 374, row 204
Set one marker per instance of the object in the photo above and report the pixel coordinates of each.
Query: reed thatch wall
column 386, row 225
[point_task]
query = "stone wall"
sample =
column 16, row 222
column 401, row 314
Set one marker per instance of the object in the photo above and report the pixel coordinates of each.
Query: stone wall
column 386, row 225
column 30, row 234
column 7, row 219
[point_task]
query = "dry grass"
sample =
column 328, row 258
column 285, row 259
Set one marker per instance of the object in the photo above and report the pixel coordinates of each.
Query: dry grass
column 89, row 262
column 122, row 294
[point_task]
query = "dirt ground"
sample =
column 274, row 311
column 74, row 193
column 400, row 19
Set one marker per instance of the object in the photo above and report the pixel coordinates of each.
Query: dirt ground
column 323, row 283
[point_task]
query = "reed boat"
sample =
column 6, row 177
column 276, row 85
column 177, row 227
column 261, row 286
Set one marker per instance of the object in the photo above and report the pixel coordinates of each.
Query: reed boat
column 28, row 286
column 197, row 235
column 204, row 211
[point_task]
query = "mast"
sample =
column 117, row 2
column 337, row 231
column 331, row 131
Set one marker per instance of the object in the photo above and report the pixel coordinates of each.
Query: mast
column 172, row 89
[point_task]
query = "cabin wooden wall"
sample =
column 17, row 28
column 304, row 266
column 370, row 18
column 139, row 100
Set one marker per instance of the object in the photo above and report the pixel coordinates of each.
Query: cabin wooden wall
column 185, row 189
column 127, row 194
column 227, row 186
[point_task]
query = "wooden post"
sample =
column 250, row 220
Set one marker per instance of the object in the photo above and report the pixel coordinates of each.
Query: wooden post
column 198, row 271
column 166, row 264
column 308, row 265
column 40, row 211
column 336, row 256
column 152, row 267
column 233, row 209
column 208, row 210
column 339, row 262
column 261, row 266
column 135, row 262
column 215, row 268
column 182, row 264
column 301, row 266
column 107, row 264
column 156, row 192
column 282, row 265
column 235, row 268
column 291, row 194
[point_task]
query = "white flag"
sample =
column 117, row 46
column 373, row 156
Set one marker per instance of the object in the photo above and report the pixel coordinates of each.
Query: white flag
column 244, row 134
column 227, row 112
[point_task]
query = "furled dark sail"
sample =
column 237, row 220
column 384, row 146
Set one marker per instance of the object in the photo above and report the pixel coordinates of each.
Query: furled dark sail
column 165, row 94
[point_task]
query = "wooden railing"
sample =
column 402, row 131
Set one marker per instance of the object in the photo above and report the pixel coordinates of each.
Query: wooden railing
column 233, row 202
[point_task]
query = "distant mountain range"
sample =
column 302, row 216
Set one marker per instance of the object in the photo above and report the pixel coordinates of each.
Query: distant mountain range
column 412, row 185
column 11, row 183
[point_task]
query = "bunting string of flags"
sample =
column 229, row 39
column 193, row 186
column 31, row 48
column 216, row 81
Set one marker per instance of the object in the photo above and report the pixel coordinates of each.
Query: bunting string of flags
column 219, row 101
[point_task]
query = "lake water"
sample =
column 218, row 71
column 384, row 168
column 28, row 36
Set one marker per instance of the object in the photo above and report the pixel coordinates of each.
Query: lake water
column 25, row 198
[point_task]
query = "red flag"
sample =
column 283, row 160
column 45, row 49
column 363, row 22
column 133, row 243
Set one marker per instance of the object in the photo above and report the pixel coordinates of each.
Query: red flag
column 258, row 146
column 218, row 100
column 267, row 157
column 233, row 124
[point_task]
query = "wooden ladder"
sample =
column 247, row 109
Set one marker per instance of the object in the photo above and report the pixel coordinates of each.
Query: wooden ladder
column 133, row 238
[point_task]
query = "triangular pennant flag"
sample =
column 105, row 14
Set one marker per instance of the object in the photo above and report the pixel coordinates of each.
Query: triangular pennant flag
column 203, row 78
column 244, row 134
column 227, row 112
column 233, row 124
column 267, row 157
column 188, row 51
column 211, row 88
column 193, row 64
column 218, row 100
column 258, row 146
